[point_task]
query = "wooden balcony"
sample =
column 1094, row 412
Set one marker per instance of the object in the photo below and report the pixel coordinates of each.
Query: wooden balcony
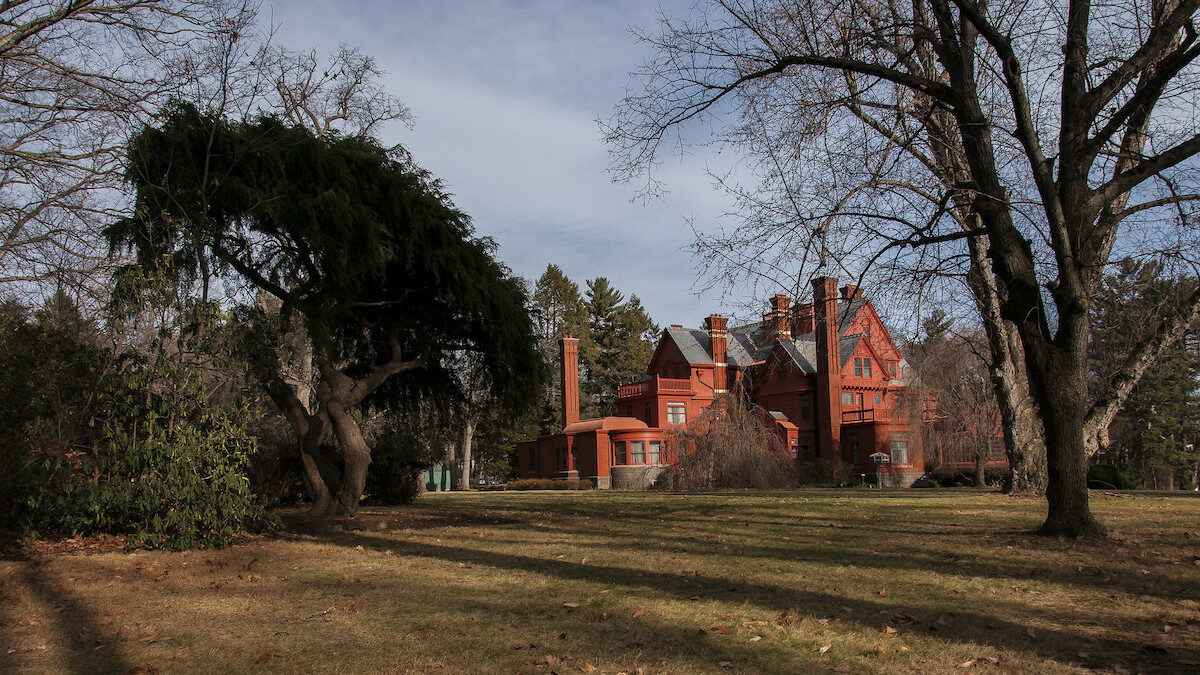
column 656, row 385
column 880, row 415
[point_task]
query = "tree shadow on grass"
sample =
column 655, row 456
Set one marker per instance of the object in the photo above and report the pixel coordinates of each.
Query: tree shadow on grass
column 62, row 614
column 908, row 552
column 967, row 627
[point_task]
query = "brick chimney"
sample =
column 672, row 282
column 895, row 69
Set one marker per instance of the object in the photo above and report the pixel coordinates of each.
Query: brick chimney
column 851, row 292
column 829, row 368
column 717, row 336
column 570, row 379
column 805, row 322
column 777, row 320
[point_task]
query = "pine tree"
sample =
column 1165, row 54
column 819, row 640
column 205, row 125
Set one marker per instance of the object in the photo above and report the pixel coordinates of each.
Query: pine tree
column 558, row 309
column 1153, row 438
column 622, row 341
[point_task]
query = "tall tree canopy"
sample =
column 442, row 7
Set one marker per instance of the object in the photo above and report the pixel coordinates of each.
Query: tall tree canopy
column 356, row 240
column 622, row 339
column 1018, row 148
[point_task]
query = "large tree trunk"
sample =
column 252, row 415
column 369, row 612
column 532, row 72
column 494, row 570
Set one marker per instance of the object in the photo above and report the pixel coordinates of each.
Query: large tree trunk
column 1024, row 443
column 465, row 445
column 1060, row 386
column 310, row 447
column 1024, row 439
column 356, row 458
column 450, row 461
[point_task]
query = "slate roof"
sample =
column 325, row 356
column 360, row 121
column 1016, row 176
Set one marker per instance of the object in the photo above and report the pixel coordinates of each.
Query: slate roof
column 745, row 345
column 846, row 345
column 803, row 352
column 740, row 350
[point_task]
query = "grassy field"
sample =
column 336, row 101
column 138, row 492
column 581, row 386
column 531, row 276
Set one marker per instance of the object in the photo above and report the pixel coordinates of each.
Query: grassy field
column 816, row 580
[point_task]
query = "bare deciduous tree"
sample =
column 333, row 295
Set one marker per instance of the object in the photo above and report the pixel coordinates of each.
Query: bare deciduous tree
column 1015, row 145
column 76, row 77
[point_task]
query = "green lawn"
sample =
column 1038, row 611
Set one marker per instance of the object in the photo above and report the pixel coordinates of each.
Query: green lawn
column 814, row 580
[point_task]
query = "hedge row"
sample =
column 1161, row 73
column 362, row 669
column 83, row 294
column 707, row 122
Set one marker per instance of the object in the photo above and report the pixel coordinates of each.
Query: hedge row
column 548, row 484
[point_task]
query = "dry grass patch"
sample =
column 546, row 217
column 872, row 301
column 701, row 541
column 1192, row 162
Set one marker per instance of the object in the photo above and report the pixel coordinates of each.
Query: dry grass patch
column 823, row 580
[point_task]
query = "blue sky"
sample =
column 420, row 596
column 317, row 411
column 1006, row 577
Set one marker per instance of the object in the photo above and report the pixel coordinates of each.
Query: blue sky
column 506, row 95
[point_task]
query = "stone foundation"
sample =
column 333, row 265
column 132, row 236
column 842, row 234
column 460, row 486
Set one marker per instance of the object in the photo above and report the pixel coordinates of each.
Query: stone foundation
column 634, row 477
column 894, row 479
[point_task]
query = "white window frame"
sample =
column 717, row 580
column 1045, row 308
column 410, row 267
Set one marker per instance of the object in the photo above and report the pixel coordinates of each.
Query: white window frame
column 680, row 410
column 637, row 452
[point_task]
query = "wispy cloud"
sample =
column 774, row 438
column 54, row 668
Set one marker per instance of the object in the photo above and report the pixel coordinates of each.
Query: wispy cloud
column 505, row 96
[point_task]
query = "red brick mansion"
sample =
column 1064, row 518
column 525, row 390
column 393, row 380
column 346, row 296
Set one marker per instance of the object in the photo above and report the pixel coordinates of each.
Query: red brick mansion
column 827, row 373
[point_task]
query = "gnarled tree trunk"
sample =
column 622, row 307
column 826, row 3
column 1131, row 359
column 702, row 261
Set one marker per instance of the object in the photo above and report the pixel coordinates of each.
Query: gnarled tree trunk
column 1024, row 442
column 356, row 456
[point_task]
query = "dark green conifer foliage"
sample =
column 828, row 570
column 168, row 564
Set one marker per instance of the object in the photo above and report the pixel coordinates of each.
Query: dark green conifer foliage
column 356, row 239
column 1154, row 439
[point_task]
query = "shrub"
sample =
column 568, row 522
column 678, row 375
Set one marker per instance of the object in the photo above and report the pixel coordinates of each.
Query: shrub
column 548, row 484
column 829, row 471
column 166, row 468
column 729, row 446
column 1106, row 476
column 954, row 477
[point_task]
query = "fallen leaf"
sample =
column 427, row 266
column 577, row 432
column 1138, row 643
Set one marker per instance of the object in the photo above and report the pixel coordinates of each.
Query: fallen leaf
column 825, row 648
column 904, row 650
column 756, row 638
column 571, row 605
column 263, row 657
column 889, row 631
column 587, row 667
column 724, row 664
column 967, row 664
column 640, row 612
column 298, row 662
column 879, row 650
column 352, row 607
column 724, row 630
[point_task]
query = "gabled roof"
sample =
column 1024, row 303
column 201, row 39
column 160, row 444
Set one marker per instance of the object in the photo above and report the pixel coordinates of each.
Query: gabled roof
column 846, row 346
column 747, row 344
column 692, row 343
column 803, row 352
column 695, row 346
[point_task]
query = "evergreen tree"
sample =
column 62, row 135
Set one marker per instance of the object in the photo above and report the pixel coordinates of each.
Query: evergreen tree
column 622, row 342
column 558, row 309
column 1153, row 438
column 363, row 245
column 936, row 326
